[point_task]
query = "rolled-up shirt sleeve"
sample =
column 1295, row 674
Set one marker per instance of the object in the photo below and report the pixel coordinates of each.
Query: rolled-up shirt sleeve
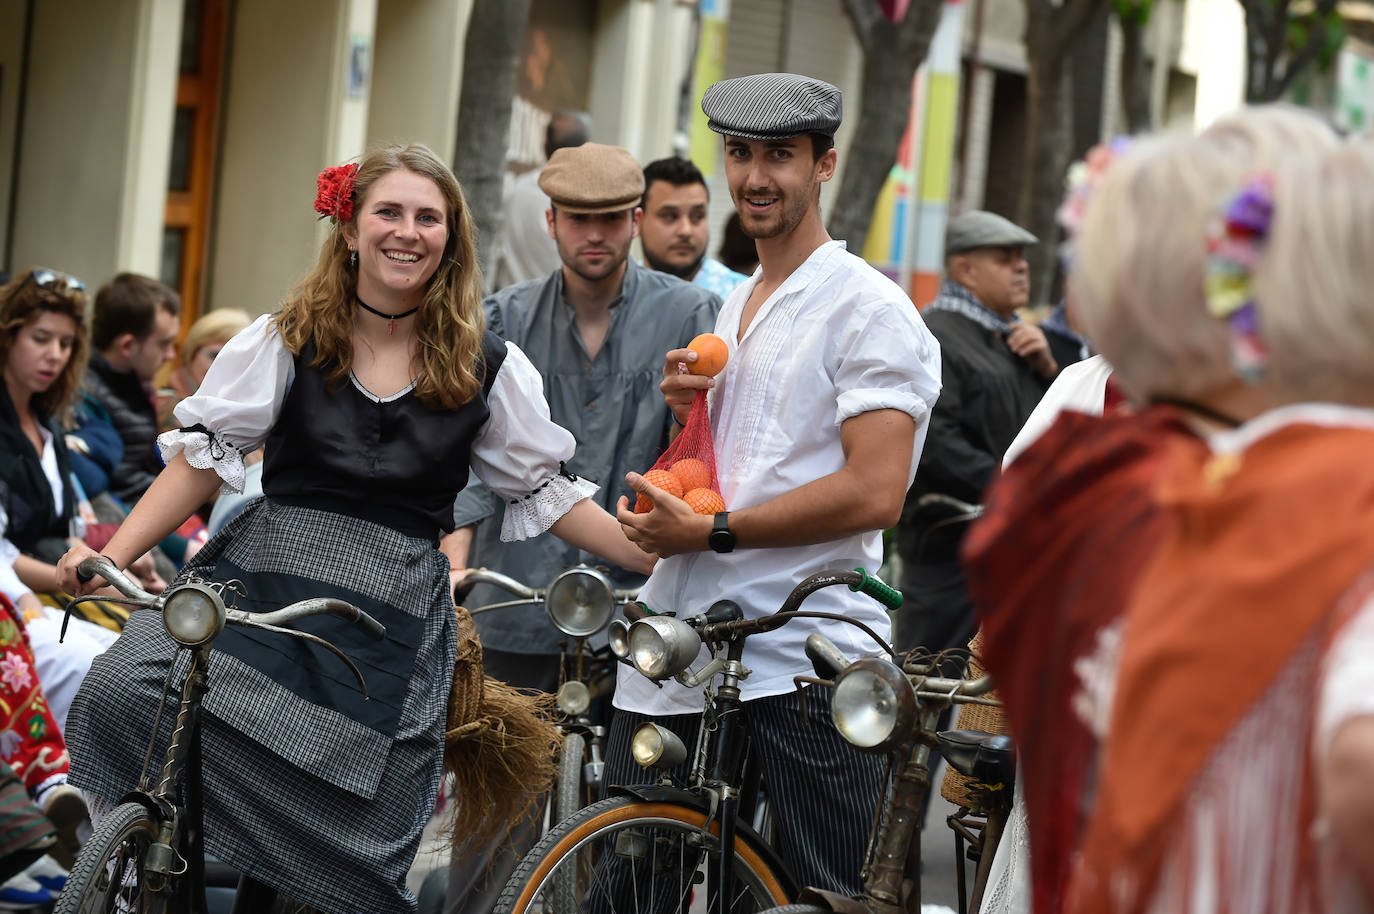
column 236, row 405
column 876, row 370
column 520, row 452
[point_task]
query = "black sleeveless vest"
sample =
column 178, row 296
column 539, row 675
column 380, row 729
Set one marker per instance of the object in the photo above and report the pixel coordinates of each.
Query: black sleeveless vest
column 395, row 462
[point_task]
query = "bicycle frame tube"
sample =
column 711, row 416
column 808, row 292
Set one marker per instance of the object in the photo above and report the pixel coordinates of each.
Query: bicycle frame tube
column 182, row 761
column 726, row 768
column 898, row 850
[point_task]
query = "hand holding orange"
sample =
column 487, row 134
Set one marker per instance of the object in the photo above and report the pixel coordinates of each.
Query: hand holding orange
column 663, row 480
column 712, row 354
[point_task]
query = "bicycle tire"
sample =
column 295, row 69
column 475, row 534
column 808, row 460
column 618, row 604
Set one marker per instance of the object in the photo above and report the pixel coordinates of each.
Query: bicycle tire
column 570, row 792
column 622, row 825
column 122, row 839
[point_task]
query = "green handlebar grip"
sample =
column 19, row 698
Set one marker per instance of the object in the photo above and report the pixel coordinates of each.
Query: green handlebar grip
column 875, row 588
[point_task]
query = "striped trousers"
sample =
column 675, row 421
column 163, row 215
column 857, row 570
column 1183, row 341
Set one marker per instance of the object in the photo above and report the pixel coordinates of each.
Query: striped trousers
column 823, row 792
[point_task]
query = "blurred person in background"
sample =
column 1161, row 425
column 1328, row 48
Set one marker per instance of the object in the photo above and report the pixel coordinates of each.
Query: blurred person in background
column 204, row 339
column 674, row 232
column 525, row 251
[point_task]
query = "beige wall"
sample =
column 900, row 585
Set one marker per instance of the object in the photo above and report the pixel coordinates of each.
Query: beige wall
column 286, row 116
column 417, row 73
column 97, row 128
column 12, row 18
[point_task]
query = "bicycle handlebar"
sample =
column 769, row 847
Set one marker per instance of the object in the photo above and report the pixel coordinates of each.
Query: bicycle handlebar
column 99, row 565
column 937, row 500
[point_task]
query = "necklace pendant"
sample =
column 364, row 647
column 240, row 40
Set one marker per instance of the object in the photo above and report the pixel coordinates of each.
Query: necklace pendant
column 391, row 327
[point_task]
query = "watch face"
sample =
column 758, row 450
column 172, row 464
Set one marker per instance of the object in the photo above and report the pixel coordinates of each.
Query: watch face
column 721, row 540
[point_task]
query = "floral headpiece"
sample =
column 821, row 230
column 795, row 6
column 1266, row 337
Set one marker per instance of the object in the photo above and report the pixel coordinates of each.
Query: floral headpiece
column 334, row 191
column 1234, row 245
column 1082, row 181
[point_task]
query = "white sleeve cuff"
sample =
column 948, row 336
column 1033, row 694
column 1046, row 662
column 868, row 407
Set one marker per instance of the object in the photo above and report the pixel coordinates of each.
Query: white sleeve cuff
column 205, row 451
column 537, row 512
column 851, row 403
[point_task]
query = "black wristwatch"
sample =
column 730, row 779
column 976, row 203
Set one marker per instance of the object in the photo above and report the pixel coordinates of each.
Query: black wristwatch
column 721, row 538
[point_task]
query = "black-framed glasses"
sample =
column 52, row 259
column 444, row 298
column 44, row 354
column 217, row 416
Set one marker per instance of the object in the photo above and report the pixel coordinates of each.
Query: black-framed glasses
column 54, row 281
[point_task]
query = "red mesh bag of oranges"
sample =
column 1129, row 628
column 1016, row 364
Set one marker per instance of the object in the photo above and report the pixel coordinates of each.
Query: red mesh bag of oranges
column 687, row 468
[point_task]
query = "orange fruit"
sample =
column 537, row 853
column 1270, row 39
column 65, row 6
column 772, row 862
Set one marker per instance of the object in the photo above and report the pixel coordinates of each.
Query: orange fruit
column 665, row 481
column 712, row 354
column 691, row 474
column 704, row 501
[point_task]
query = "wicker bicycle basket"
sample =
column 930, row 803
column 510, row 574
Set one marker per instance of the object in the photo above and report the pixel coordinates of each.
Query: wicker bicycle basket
column 957, row 788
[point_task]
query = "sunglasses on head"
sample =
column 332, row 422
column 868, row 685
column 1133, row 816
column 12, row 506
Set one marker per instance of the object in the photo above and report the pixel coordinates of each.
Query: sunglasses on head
column 55, row 281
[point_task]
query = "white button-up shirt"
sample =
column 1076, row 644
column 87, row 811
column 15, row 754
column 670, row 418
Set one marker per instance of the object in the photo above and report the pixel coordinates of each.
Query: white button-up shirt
column 835, row 340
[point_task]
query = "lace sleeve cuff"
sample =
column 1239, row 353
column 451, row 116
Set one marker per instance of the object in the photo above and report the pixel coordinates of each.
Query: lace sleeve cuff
column 537, row 512
column 205, row 451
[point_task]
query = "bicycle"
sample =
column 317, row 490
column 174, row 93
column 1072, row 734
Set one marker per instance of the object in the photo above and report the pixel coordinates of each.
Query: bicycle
column 654, row 841
column 580, row 602
column 884, row 708
column 147, row 855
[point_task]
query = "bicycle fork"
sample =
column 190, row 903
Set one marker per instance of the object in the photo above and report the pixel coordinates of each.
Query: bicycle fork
column 898, row 849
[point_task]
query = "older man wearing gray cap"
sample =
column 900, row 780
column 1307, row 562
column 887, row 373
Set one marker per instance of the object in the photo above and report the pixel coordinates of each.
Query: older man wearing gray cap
column 596, row 328
column 818, row 420
column 995, row 370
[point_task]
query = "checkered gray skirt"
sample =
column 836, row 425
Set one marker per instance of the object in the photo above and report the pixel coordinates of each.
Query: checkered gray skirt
column 323, row 799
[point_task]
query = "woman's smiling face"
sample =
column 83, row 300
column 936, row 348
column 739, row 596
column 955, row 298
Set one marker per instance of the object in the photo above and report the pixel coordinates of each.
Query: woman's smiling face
column 399, row 232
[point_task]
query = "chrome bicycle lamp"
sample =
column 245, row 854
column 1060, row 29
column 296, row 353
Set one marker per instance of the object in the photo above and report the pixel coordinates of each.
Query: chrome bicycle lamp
column 618, row 636
column 654, row 746
column 574, row 698
column 661, row 646
column 873, row 706
column 580, row 601
column 193, row 614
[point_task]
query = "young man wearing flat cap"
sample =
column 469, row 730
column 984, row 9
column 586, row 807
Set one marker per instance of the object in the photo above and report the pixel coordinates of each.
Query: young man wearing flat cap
column 596, row 328
column 818, row 420
column 995, row 370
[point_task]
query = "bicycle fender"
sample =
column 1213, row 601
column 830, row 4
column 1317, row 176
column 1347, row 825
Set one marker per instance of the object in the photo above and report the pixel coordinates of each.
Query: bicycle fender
column 660, row 793
column 160, row 808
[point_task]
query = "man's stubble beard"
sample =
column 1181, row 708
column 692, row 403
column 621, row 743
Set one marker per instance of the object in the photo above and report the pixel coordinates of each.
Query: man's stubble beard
column 683, row 273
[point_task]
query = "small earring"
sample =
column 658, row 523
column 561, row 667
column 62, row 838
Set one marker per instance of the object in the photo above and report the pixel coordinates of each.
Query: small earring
column 352, row 257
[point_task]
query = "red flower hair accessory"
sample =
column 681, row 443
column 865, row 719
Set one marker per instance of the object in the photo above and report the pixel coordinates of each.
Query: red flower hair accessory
column 334, row 191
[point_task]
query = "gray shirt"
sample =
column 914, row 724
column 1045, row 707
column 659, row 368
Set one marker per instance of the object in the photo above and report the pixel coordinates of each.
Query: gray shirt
column 611, row 404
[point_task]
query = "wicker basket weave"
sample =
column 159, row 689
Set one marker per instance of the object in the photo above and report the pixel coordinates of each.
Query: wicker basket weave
column 957, row 788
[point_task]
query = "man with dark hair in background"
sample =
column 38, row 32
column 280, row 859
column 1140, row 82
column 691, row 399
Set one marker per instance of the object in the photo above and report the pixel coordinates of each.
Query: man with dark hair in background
column 133, row 331
column 525, row 250
column 675, row 229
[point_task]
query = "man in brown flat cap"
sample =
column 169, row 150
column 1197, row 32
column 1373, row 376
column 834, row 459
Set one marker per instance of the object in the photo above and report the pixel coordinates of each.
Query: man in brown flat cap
column 596, row 328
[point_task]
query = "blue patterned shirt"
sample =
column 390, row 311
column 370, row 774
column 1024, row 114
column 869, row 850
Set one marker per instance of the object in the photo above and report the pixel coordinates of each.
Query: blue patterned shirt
column 716, row 277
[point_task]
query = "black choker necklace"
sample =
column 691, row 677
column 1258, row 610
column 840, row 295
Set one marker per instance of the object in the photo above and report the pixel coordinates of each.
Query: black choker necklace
column 391, row 319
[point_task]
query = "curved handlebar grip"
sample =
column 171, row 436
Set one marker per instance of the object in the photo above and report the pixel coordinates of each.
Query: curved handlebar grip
column 634, row 611
column 371, row 626
column 93, row 565
column 875, row 588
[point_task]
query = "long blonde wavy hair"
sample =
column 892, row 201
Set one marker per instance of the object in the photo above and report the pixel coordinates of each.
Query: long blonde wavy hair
column 450, row 323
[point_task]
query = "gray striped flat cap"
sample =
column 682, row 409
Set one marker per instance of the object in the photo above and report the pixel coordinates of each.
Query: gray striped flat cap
column 769, row 106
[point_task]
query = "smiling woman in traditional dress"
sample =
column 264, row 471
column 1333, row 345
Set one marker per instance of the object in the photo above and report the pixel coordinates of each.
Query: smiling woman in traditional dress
column 374, row 389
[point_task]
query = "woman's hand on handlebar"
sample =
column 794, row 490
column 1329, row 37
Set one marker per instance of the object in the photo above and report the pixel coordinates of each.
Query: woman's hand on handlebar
column 66, row 572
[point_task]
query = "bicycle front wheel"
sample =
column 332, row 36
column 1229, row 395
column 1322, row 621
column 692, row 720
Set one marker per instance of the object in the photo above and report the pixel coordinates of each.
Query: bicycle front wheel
column 109, row 875
column 570, row 792
column 625, row 855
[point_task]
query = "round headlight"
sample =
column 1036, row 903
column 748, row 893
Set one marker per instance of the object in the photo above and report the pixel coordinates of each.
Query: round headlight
column 661, row 647
column 873, row 706
column 654, row 746
column 618, row 636
column 573, row 698
column 193, row 614
column 580, row 601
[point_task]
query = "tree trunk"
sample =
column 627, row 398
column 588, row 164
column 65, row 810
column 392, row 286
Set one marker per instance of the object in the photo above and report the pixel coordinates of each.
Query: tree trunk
column 892, row 52
column 1135, row 77
column 1048, row 143
column 491, row 58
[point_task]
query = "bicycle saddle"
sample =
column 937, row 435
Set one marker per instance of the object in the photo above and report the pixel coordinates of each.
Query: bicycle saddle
column 986, row 757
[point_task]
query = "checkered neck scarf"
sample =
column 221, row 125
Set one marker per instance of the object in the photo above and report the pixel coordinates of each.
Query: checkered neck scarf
column 955, row 297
